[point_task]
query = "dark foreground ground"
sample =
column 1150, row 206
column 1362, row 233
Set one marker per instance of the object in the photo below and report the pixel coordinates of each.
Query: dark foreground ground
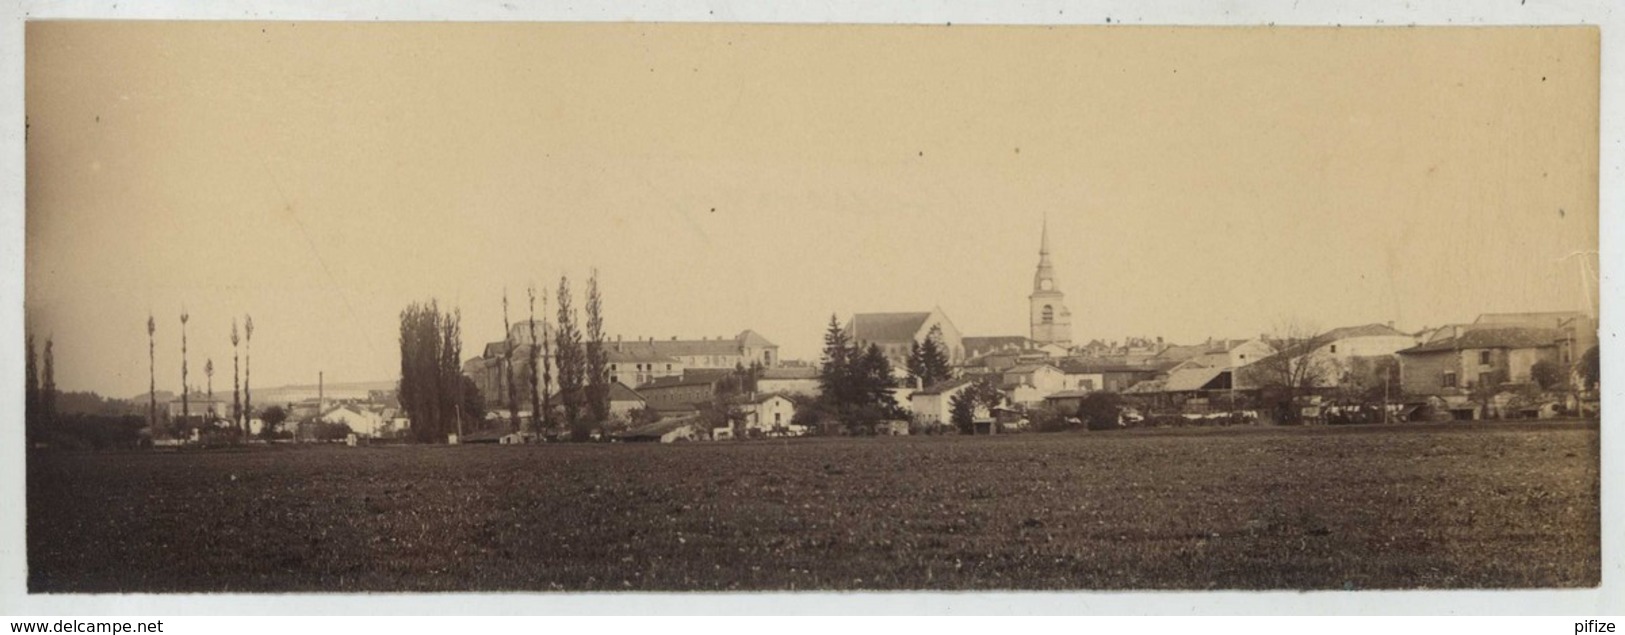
column 1435, row 506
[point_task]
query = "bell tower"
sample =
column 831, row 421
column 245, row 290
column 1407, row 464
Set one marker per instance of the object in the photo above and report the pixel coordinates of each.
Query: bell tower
column 1051, row 320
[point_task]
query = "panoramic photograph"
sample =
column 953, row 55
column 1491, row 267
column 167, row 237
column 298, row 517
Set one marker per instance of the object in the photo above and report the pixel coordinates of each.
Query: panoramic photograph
column 337, row 307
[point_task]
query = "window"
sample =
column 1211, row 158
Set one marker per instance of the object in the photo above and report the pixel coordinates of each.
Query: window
column 1334, row 349
column 1486, row 379
column 1484, row 357
column 1448, row 381
column 1048, row 315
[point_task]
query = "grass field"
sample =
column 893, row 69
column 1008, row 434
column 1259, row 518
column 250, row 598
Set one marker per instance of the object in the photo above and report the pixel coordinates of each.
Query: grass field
column 1419, row 506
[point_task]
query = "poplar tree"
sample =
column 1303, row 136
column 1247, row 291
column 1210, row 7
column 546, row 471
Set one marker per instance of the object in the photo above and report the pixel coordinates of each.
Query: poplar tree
column 237, row 419
column 152, row 375
column 186, row 407
column 450, row 381
column 571, row 364
column 208, row 371
column 597, row 358
column 248, row 364
column 536, row 416
column 507, row 364
column 31, row 398
column 48, row 387
column 546, row 419
column 432, row 389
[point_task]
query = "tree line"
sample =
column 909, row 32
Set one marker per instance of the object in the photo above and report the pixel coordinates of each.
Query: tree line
column 571, row 392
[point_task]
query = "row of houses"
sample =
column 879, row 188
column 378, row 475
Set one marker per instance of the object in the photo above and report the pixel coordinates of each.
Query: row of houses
column 1444, row 364
column 676, row 377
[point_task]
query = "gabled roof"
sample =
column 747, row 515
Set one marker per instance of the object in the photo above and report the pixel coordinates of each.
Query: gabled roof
column 1365, row 330
column 1189, row 379
column 619, row 392
column 691, row 348
column 1539, row 319
column 753, row 339
column 519, row 332
column 761, row 397
column 887, row 327
column 622, row 354
column 1180, row 352
column 348, row 407
column 1028, row 368
column 1513, row 337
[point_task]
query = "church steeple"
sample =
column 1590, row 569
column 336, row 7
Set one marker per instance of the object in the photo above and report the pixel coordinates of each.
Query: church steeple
column 1044, row 277
column 1051, row 321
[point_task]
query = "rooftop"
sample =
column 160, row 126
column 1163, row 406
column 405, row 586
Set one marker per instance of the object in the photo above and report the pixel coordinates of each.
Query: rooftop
column 887, row 327
column 1512, row 337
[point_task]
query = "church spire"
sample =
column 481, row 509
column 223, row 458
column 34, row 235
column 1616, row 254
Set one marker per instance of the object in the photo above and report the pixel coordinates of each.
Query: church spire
column 1051, row 321
column 1044, row 276
column 1043, row 238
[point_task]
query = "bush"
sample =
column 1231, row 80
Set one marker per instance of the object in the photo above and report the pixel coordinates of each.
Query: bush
column 1548, row 374
column 1101, row 411
column 94, row 432
column 1049, row 420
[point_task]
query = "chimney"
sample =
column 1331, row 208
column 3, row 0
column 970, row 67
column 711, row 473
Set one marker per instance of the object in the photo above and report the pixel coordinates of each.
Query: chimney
column 1455, row 331
column 1390, row 324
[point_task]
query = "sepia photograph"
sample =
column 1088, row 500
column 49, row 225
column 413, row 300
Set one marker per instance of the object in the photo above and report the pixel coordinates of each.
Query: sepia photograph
column 336, row 307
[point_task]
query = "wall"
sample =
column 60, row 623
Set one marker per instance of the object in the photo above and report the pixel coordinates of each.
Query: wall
column 1419, row 373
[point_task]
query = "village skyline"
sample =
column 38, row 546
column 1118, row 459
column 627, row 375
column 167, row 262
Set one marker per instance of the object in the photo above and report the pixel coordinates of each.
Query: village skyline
column 713, row 195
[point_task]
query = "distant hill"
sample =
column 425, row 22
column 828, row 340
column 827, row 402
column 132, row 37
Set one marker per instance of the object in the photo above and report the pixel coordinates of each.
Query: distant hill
column 293, row 393
column 289, row 393
column 89, row 403
column 163, row 397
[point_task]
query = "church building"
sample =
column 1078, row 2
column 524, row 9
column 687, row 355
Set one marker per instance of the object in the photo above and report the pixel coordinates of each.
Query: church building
column 1051, row 320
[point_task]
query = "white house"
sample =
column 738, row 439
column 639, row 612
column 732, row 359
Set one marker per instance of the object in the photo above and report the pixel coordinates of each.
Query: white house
column 1044, row 379
column 360, row 421
column 931, row 404
column 1235, row 353
column 623, row 400
column 1335, row 352
column 765, row 412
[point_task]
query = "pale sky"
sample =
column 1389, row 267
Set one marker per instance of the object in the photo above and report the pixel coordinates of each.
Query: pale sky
column 1198, row 182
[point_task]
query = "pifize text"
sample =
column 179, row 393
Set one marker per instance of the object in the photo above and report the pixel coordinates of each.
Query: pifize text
column 1593, row 626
